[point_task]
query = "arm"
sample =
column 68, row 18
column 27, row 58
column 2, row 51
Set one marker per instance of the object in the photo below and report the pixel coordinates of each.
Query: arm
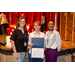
column 44, row 46
column 13, row 39
column 45, row 39
column 29, row 41
column 13, row 46
column 14, row 49
column 26, row 55
column 58, row 41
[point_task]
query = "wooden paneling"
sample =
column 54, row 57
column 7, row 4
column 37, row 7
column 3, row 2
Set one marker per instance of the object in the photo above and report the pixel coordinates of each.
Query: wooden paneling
column 74, row 28
column 74, row 35
column 63, row 25
column 69, row 26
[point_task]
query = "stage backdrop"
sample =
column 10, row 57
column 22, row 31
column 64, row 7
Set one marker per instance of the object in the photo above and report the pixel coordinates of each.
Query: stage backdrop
column 32, row 16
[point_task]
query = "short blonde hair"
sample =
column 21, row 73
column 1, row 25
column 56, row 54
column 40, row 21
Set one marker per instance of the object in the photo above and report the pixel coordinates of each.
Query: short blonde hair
column 37, row 23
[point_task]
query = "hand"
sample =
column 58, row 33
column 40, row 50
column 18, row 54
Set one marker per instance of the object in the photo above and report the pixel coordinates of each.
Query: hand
column 16, row 55
column 31, row 45
column 26, row 54
column 44, row 57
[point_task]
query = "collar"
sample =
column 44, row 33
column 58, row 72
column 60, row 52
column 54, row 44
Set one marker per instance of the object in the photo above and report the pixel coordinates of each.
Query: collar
column 52, row 31
column 38, row 34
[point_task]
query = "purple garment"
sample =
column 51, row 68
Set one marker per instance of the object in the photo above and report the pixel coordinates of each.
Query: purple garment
column 51, row 55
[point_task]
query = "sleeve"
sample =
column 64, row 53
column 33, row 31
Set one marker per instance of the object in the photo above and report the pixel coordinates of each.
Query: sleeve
column 13, row 37
column 58, row 41
column 44, row 39
column 29, row 40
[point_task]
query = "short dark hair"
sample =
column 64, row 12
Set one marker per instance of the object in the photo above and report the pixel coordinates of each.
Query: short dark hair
column 51, row 20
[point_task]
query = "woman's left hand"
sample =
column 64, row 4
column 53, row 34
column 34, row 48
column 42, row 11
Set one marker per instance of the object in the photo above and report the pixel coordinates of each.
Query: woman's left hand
column 26, row 54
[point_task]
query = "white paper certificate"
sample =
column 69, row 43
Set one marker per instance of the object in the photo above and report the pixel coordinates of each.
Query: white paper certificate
column 37, row 53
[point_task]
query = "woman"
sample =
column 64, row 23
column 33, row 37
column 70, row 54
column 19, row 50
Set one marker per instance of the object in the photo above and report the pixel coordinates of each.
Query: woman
column 36, row 34
column 19, row 40
column 53, row 43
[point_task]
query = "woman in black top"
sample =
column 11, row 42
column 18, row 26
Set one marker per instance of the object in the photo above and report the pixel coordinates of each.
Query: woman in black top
column 19, row 40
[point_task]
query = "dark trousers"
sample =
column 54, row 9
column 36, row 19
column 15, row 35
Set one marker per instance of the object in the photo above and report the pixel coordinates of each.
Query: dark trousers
column 34, row 59
column 51, row 55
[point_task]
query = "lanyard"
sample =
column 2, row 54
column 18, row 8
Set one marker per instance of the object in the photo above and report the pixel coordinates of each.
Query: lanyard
column 24, row 35
column 49, row 36
column 35, row 34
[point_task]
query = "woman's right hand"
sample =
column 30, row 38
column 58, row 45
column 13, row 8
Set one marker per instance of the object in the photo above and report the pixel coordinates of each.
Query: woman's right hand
column 16, row 55
column 31, row 45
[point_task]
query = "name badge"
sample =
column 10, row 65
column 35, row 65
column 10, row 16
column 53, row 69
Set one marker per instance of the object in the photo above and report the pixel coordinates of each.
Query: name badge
column 25, row 44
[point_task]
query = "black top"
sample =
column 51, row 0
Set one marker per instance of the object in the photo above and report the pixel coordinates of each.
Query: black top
column 19, row 38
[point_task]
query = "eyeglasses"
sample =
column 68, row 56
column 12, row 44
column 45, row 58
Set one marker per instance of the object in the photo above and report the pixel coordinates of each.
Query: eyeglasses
column 22, row 21
column 51, row 24
column 37, row 25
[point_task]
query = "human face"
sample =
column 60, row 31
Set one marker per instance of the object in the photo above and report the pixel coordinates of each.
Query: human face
column 22, row 23
column 37, row 27
column 51, row 25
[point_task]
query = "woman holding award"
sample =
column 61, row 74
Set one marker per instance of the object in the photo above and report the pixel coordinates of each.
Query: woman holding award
column 36, row 34
column 53, row 43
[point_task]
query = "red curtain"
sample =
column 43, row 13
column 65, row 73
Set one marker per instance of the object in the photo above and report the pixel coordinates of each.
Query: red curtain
column 33, row 16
